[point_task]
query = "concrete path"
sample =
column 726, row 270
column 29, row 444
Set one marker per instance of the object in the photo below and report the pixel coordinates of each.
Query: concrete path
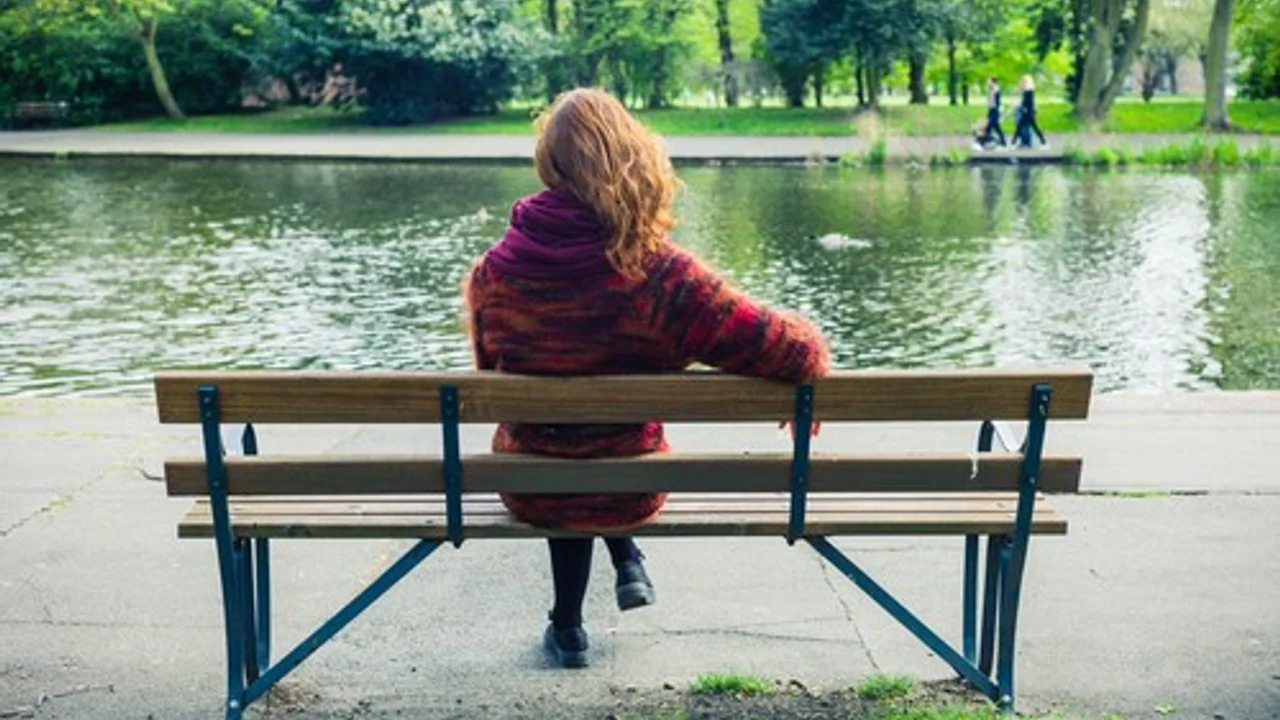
column 391, row 146
column 1170, row 601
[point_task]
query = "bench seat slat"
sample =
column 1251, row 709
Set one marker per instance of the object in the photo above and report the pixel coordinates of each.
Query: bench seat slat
column 413, row 397
column 372, row 475
column 434, row 506
column 833, row 516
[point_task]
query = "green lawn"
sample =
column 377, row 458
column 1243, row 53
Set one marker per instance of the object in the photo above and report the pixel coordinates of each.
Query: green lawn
column 1125, row 117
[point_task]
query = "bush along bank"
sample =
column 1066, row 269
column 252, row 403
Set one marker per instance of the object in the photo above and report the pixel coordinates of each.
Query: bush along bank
column 1195, row 153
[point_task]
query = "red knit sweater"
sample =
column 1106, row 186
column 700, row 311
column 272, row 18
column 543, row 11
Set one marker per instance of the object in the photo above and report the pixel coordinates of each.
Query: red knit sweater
column 602, row 323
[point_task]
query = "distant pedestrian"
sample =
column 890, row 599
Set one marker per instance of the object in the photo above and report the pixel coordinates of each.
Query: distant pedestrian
column 993, row 113
column 1027, row 115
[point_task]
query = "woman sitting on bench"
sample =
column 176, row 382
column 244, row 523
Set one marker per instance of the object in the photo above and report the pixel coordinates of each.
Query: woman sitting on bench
column 587, row 281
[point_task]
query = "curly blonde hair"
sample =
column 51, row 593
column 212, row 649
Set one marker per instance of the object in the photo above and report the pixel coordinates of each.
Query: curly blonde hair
column 589, row 145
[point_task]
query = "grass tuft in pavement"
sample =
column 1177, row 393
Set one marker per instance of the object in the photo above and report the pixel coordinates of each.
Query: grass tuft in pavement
column 730, row 684
column 886, row 687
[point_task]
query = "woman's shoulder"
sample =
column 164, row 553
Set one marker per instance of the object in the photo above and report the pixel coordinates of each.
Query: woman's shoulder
column 673, row 261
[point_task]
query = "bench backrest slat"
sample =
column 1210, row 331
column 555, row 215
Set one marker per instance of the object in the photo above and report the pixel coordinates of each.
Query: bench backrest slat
column 413, row 397
column 368, row 475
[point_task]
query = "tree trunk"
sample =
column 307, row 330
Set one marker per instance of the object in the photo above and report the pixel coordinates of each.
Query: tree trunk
column 859, row 77
column 1150, row 78
column 586, row 67
column 657, row 96
column 951, row 68
column 1171, row 69
column 147, row 36
column 1132, row 44
column 1097, row 61
column 919, row 94
column 1102, row 78
column 793, row 81
column 555, row 69
column 964, row 89
column 1215, row 67
column 726, row 53
column 873, row 87
column 819, row 78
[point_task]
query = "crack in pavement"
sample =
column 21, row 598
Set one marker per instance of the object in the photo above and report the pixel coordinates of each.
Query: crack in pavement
column 29, row 711
column 848, row 612
column 62, row 500
column 105, row 625
column 732, row 632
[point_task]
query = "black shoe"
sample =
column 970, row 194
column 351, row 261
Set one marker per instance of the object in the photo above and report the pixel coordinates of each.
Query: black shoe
column 568, row 647
column 634, row 587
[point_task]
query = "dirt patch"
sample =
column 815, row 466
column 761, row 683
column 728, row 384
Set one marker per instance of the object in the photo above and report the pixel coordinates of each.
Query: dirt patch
column 787, row 701
column 790, row 701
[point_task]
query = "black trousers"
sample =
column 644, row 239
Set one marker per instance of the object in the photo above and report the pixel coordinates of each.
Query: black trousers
column 993, row 127
column 571, row 570
column 1026, row 124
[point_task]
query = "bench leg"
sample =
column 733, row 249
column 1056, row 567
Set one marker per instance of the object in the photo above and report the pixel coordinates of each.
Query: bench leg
column 262, row 559
column 230, row 550
column 970, row 597
column 1012, row 561
column 244, row 565
column 991, row 602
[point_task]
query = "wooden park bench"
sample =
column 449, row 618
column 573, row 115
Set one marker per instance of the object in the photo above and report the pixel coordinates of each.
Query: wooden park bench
column 246, row 501
column 28, row 114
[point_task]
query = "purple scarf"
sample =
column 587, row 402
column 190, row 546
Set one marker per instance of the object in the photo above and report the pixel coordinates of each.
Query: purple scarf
column 552, row 236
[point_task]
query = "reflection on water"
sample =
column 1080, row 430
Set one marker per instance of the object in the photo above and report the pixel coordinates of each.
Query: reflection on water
column 109, row 270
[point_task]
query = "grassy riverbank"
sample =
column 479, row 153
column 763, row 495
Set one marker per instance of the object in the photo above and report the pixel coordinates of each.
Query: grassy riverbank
column 911, row 120
column 1195, row 153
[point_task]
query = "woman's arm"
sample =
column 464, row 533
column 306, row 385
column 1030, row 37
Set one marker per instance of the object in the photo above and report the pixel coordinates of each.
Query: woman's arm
column 715, row 324
column 473, row 295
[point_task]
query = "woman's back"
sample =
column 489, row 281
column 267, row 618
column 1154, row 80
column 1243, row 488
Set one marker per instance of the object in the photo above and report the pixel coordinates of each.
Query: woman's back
column 586, row 281
column 545, row 301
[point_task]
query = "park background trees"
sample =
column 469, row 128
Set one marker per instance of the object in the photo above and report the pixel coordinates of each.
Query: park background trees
column 409, row 61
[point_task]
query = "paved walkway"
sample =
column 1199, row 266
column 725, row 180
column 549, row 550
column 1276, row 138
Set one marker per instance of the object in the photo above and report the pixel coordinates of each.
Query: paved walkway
column 382, row 146
column 1169, row 601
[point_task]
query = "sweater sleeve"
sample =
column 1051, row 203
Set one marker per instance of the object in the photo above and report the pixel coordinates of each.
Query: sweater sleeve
column 473, row 296
column 715, row 324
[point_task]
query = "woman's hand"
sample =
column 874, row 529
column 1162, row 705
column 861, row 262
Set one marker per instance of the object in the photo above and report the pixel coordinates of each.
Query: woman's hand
column 814, row 429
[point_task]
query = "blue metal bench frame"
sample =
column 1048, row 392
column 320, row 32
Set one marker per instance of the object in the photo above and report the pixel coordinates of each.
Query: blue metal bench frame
column 244, row 563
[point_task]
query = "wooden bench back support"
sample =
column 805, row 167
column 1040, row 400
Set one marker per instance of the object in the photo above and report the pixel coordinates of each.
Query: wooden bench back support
column 414, row 397
column 371, row 475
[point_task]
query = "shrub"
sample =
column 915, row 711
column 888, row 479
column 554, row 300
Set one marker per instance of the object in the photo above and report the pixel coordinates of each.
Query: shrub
column 424, row 61
column 877, row 154
column 1226, row 153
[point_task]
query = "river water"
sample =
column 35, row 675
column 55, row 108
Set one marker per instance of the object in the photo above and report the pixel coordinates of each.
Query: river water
column 111, row 269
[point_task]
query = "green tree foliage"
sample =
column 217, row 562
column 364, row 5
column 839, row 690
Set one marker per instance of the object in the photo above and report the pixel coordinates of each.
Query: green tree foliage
column 84, row 54
column 420, row 61
column 1258, row 39
column 801, row 36
column 299, row 43
column 1177, row 31
column 637, row 48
